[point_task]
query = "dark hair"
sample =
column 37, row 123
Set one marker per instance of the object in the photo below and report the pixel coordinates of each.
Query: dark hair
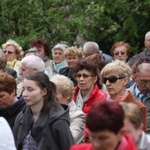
column 43, row 81
column 105, row 115
column 135, row 68
column 7, row 83
column 41, row 43
column 89, row 66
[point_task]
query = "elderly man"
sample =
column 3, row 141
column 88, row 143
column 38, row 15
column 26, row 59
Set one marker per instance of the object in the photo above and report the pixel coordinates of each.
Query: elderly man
column 141, row 88
column 29, row 64
column 90, row 48
column 144, row 53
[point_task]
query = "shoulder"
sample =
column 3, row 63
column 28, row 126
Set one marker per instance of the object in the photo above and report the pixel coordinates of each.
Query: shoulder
column 87, row 146
column 63, row 70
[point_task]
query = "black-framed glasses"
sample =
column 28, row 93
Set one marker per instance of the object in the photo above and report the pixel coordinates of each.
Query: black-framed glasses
column 8, row 52
column 112, row 79
column 85, row 76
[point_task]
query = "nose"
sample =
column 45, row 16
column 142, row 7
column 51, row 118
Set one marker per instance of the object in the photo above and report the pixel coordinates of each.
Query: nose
column 96, row 144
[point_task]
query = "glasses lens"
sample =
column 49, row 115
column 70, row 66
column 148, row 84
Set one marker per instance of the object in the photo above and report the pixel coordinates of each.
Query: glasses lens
column 78, row 76
column 83, row 75
column 121, row 52
column 111, row 79
column 8, row 52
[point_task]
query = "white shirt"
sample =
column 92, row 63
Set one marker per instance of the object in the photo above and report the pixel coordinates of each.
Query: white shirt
column 6, row 136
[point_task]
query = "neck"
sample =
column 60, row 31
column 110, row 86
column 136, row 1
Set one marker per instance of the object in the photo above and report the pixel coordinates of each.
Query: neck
column 118, row 95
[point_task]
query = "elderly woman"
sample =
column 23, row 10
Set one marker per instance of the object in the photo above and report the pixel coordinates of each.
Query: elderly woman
column 115, row 76
column 65, row 92
column 59, row 60
column 43, row 49
column 120, row 50
column 13, row 53
column 105, row 122
column 133, row 125
column 72, row 55
column 87, row 91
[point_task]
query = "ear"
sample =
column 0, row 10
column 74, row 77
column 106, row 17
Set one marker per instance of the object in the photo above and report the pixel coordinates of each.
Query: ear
column 44, row 92
column 135, row 77
column 120, row 133
column 125, row 80
column 95, row 79
column 142, row 126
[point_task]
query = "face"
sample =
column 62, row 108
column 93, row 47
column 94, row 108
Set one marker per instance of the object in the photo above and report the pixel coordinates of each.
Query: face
column 24, row 70
column 58, row 56
column 85, row 80
column 41, row 51
column 62, row 99
column 10, row 53
column 120, row 53
column 6, row 99
column 143, row 81
column 71, row 60
column 129, row 128
column 32, row 93
column 104, row 140
column 116, row 89
column 147, row 42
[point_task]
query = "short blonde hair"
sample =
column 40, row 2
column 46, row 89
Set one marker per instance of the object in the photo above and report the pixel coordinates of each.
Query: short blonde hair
column 133, row 113
column 119, row 67
column 73, row 51
column 64, row 85
column 18, row 48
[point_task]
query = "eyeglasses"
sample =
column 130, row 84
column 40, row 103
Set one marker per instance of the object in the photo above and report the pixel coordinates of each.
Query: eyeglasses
column 112, row 79
column 8, row 52
column 121, row 52
column 85, row 76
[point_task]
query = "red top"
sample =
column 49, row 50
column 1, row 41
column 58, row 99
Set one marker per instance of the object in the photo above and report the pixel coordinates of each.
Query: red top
column 125, row 144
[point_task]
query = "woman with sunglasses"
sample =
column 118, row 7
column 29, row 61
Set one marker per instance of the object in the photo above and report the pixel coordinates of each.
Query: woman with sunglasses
column 115, row 76
column 120, row 50
column 13, row 53
column 87, row 91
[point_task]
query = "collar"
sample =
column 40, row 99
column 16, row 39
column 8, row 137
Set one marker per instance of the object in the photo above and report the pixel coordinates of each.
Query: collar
column 137, row 91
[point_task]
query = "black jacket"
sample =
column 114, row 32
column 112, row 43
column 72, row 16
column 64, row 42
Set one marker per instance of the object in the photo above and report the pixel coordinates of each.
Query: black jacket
column 11, row 112
column 66, row 71
column 51, row 130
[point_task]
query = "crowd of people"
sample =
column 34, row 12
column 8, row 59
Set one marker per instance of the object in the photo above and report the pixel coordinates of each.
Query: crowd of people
column 80, row 99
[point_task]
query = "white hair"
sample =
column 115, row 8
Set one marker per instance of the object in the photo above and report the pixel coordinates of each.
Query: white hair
column 33, row 61
column 146, row 35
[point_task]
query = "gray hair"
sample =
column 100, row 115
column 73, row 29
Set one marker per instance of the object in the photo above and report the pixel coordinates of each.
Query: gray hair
column 90, row 48
column 61, row 47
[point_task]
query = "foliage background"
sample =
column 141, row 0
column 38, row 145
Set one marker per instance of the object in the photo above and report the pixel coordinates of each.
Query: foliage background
column 75, row 21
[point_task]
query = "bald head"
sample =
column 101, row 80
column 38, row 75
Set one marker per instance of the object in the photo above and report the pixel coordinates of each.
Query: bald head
column 143, row 67
column 90, row 48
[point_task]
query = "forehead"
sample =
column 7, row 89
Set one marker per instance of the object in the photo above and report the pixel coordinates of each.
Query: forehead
column 58, row 51
column 29, row 83
column 10, row 47
column 105, row 133
column 84, row 71
column 120, row 48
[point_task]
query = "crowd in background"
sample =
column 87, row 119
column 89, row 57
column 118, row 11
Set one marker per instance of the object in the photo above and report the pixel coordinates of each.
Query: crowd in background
column 82, row 98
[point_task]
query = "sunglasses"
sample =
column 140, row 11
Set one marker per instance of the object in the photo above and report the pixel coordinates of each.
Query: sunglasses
column 117, row 53
column 112, row 79
column 85, row 76
column 8, row 52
